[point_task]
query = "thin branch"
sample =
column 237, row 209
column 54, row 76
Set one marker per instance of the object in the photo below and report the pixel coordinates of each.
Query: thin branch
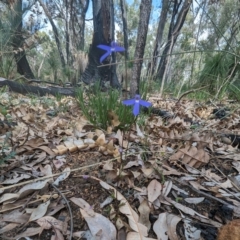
column 69, row 209
column 188, row 92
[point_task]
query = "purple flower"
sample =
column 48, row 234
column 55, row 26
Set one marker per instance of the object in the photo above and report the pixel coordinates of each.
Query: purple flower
column 136, row 102
column 114, row 48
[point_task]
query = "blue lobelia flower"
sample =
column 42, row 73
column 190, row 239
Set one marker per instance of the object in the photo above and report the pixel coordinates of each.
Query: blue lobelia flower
column 114, row 48
column 136, row 102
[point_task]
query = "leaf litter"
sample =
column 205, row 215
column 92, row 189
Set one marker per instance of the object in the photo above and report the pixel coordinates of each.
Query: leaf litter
column 171, row 178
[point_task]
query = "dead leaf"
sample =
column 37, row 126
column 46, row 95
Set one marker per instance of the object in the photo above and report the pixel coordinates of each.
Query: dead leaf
column 131, row 164
column 167, row 186
column 49, row 222
column 84, row 205
column 147, row 171
column 226, row 184
column 126, row 209
column 107, row 201
column 172, row 221
column 57, row 236
column 160, row 227
column 137, row 236
column 9, row 196
column 144, row 211
column 183, row 208
column 108, row 166
column 54, row 209
column 15, row 216
column 113, row 118
column 194, row 200
column 47, row 150
column 46, row 170
column 16, row 179
column 198, row 186
column 29, row 232
column 122, row 234
column 39, row 211
column 139, row 132
column 101, row 141
column 63, row 176
column 27, row 189
column 100, row 224
column 208, row 174
column 70, row 145
column 8, row 227
column 191, row 232
column 154, row 190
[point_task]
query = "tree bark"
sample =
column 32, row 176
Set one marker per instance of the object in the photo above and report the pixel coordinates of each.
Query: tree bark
column 103, row 23
column 161, row 25
column 23, row 67
column 145, row 10
column 125, row 27
column 78, row 22
column 67, row 34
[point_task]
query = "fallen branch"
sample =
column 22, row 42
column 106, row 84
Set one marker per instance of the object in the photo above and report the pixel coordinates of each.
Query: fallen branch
column 40, row 91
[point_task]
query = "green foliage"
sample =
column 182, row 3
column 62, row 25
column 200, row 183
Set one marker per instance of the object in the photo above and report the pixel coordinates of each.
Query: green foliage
column 7, row 62
column 99, row 104
column 149, row 86
column 218, row 71
column 144, row 88
column 3, row 110
column 201, row 95
column 4, row 157
column 59, row 97
column 234, row 92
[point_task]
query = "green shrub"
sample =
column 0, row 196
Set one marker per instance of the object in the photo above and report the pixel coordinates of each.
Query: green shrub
column 99, row 106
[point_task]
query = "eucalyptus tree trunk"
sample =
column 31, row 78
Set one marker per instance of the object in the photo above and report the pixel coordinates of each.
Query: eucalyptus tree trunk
column 23, row 67
column 125, row 37
column 145, row 10
column 179, row 13
column 103, row 33
column 157, row 45
column 55, row 32
column 125, row 27
column 78, row 10
column 67, row 33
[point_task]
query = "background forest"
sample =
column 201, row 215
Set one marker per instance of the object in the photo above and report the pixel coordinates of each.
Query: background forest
column 141, row 138
column 187, row 44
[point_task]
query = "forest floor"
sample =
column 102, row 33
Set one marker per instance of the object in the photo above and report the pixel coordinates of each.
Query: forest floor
column 174, row 177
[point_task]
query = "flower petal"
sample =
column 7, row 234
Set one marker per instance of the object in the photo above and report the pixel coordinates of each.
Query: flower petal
column 128, row 102
column 145, row 103
column 113, row 44
column 104, row 47
column 105, row 56
column 116, row 48
column 136, row 109
column 119, row 49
